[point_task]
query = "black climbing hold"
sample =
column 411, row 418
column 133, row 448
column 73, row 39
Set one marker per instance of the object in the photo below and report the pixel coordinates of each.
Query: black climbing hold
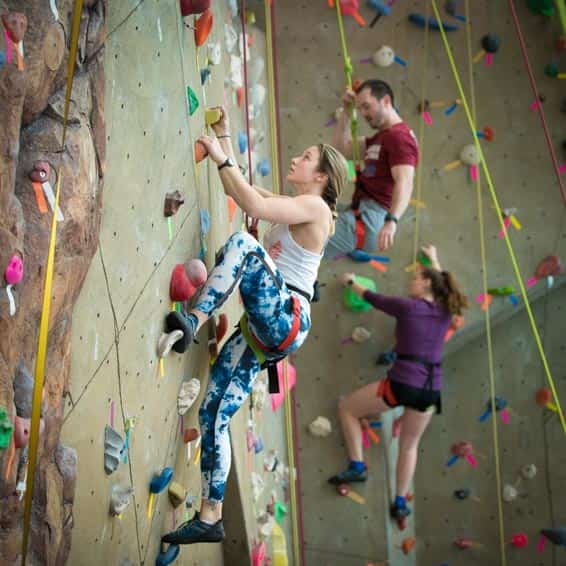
column 462, row 494
column 490, row 43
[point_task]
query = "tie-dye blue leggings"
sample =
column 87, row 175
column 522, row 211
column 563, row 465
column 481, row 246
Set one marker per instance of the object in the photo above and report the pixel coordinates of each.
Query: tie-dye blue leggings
column 267, row 301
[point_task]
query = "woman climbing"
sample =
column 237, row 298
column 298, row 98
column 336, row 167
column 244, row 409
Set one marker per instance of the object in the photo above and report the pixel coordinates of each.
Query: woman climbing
column 276, row 285
column 414, row 380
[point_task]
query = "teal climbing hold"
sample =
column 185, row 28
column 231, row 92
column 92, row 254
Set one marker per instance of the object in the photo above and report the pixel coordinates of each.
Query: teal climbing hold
column 193, row 100
column 543, row 7
column 352, row 301
column 6, row 429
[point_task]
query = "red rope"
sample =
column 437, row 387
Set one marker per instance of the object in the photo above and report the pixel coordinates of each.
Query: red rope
column 537, row 99
column 251, row 226
column 293, row 397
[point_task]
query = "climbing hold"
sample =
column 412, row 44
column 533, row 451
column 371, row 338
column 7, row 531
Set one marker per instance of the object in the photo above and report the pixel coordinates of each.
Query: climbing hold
column 381, row 8
column 490, row 43
column 113, row 445
column 187, row 395
column 384, row 56
column 13, row 274
column 470, row 155
column 501, row 291
column 23, row 391
column 157, row 484
column 352, row 301
column 200, row 152
column 22, row 431
column 212, row 116
column 214, row 53
column 205, row 74
column 423, row 259
column 420, row 21
column 500, row 406
column 529, row 471
column 364, row 257
column 189, row 7
column 190, row 435
column 193, row 100
column 464, row 543
column 196, row 272
column 177, row 494
column 242, row 141
column 555, row 536
column 203, row 27
column 264, row 168
column 350, row 8
column 386, row 358
column 519, row 540
column 166, row 342
column 543, row 7
column 345, row 491
column 120, row 498
column 16, row 25
column 271, row 461
column 166, row 557
column 280, row 512
column 551, row 70
column 173, row 201
column 550, row 266
column 6, row 429
column 360, row 334
column 509, row 493
column 464, row 450
column 320, row 427
column 462, row 494
column 408, row 544
column 181, row 287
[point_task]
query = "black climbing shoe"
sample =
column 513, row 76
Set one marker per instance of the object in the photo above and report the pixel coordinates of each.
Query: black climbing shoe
column 178, row 321
column 349, row 476
column 168, row 556
column 398, row 513
column 194, row 531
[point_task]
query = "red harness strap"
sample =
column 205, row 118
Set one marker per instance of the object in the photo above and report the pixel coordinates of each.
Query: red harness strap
column 295, row 327
column 384, row 391
column 360, row 230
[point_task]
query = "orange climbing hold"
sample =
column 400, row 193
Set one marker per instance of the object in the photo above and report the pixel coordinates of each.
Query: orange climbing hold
column 408, row 544
column 200, row 152
column 203, row 27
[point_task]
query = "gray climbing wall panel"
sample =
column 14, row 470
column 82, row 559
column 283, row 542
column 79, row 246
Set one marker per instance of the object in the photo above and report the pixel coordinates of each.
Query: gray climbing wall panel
column 338, row 531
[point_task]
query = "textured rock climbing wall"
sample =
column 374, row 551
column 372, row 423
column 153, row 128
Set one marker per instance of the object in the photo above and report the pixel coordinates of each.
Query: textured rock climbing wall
column 150, row 60
column 31, row 116
column 339, row 531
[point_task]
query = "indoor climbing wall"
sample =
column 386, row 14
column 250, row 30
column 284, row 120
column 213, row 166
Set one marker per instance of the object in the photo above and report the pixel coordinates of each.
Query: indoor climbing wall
column 341, row 531
column 123, row 411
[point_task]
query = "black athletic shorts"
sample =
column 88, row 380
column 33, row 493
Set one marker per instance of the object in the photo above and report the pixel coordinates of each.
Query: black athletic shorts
column 395, row 394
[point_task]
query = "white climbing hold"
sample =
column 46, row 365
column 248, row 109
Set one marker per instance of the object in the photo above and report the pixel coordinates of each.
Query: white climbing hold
column 54, row 10
column 529, row 471
column 510, row 493
column 384, row 56
column 257, row 485
column 320, row 427
column 470, row 155
column 360, row 334
column 188, row 395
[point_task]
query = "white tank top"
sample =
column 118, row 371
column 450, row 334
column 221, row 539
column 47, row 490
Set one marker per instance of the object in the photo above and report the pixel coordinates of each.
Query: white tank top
column 298, row 266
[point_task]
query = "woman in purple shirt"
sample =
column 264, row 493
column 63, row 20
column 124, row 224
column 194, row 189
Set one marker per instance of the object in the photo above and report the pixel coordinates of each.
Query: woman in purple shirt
column 415, row 379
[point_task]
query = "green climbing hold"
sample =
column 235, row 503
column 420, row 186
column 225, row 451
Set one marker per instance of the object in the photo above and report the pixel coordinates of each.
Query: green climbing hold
column 352, row 301
column 551, row 70
column 193, row 101
column 351, row 171
column 544, row 7
column 6, row 429
column 280, row 510
column 423, row 259
column 501, row 291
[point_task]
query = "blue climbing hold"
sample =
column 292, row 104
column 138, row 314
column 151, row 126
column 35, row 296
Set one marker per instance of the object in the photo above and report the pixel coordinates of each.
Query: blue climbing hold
column 264, row 168
column 204, row 221
column 242, row 141
column 160, row 482
column 420, row 21
column 380, row 7
column 204, row 74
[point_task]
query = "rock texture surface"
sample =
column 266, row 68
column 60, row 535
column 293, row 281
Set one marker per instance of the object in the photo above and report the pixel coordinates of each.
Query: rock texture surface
column 31, row 115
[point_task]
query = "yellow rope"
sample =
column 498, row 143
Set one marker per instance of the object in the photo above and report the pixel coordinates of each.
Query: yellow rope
column 498, row 208
column 487, row 318
column 277, row 189
column 348, row 70
column 419, row 183
column 46, row 305
column 561, row 6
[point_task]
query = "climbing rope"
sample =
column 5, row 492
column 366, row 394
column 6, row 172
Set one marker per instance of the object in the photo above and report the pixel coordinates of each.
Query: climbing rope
column 534, row 88
column 500, row 217
column 47, row 292
column 561, row 7
column 348, row 70
column 487, row 314
column 416, row 234
column 290, row 430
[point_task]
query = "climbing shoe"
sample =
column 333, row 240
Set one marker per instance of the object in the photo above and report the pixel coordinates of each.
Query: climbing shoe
column 168, row 556
column 179, row 321
column 349, row 476
column 195, row 531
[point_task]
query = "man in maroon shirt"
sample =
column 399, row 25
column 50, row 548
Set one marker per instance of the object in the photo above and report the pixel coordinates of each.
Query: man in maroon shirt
column 385, row 184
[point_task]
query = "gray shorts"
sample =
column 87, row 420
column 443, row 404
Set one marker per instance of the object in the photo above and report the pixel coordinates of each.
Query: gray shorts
column 343, row 240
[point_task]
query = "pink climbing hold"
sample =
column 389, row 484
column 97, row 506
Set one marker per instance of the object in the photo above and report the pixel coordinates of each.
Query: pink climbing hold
column 540, row 546
column 427, row 118
column 474, row 173
column 14, row 272
column 519, row 540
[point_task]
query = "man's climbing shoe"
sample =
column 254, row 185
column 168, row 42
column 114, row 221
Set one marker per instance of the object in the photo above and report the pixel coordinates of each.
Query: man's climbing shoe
column 349, row 476
column 168, row 556
column 195, row 531
column 399, row 515
column 178, row 321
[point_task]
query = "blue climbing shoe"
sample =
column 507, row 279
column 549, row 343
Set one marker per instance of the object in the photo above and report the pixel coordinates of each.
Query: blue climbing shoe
column 195, row 531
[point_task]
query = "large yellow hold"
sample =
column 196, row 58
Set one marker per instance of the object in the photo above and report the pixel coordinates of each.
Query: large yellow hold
column 279, row 546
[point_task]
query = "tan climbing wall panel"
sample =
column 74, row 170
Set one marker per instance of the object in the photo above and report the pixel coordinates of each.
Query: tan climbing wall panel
column 337, row 531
